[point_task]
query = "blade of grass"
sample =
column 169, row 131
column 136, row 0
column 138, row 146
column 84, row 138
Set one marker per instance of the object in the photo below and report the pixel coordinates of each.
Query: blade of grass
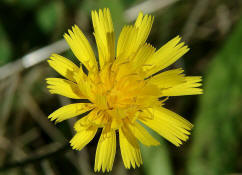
column 218, row 126
column 156, row 158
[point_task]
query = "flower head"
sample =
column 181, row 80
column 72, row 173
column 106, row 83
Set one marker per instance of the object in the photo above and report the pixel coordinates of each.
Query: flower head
column 122, row 88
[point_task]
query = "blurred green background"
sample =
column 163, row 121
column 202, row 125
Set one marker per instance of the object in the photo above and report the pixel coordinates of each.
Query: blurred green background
column 30, row 144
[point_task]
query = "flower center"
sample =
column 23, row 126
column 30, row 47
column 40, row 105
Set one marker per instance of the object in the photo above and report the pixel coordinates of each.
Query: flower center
column 120, row 94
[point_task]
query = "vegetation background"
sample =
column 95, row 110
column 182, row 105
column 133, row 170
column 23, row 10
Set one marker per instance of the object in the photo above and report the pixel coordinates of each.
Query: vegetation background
column 30, row 144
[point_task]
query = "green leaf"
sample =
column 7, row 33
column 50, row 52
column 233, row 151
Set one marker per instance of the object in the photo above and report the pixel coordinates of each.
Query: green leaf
column 218, row 128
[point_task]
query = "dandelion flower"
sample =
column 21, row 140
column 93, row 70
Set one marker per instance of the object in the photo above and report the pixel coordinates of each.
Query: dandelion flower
column 123, row 89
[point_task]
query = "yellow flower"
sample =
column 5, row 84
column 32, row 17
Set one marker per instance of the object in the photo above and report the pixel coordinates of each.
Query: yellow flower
column 122, row 89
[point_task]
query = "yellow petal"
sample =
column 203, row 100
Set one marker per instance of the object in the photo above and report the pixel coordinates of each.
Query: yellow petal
column 81, row 48
column 169, row 125
column 132, row 38
column 165, row 56
column 142, row 55
column 96, row 117
column 129, row 147
column 126, row 46
column 104, row 35
column 106, row 150
column 189, row 87
column 86, row 121
column 82, row 138
column 69, row 111
column 86, row 87
column 82, row 123
column 143, row 136
column 63, row 66
column 64, row 87
column 144, row 24
column 168, row 79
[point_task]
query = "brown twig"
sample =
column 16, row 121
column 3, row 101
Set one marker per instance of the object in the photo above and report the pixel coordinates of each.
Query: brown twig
column 34, row 159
